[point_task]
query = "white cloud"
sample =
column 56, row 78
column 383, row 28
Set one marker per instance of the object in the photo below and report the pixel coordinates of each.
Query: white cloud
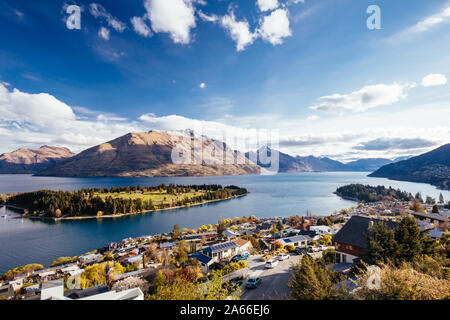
column 431, row 21
column 363, row 99
column 202, row 85
column 103, row 33
column 175, row 17
column 41, row 109
column 98, row 11
column 275, row 27
column 266, row 5
column 32, row 120
column 140, row 27
column 238, row 30
column 313, row 118
column 434, row 80
column 208, row 18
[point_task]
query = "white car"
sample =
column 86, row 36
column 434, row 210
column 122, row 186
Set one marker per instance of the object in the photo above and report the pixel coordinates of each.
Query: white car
column 282, row 256
column 272, row 263
column 323, row 247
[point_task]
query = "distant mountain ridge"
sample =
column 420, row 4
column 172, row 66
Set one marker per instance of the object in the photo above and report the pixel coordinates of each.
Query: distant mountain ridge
column 149, row 154
column 25, row 161
column 432, row 167
column 288, row 163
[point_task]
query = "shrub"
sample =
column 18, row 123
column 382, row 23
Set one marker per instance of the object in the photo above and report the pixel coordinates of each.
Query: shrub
column 403, row 283
column 290, row 248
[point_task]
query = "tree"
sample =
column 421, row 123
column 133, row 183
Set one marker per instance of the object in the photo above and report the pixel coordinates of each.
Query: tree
column 435, row 209
column 58, row 213
column 216, row 290
column 326, row 239
column 441, row 198
column 430, row 200
column 311, row 281
column 381, row 244
column 176, row 233
column 280, row 225
column 410, row 240
column 221, row 227
column 179, row 289
column 418, row 196
column 416, row 206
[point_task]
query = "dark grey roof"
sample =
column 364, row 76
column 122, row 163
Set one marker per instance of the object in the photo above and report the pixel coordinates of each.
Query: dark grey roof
column 355, row 230
column 295, row 239
column 431, row 216
column 78, row 294
column 201, row 257
column 221, row 247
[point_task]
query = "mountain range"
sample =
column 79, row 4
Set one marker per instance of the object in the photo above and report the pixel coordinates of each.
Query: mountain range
column 149, row 154
column 288, row 163
column 432, row 167
column 32, row 160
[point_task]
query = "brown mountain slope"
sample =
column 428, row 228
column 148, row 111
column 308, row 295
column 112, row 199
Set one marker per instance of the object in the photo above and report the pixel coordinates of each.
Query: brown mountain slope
column 149, row 154
column 32, row 160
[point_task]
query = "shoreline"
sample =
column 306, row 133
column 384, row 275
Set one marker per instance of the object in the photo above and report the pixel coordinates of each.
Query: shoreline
column 109, row 216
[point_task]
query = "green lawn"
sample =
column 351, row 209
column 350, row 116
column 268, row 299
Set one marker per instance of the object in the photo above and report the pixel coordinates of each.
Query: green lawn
column 156, row 197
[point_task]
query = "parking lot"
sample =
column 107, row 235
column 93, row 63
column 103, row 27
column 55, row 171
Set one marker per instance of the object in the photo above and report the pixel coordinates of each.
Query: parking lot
column 274, row 284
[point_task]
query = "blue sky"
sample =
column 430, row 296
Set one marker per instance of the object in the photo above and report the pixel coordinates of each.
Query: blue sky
column 311, row 69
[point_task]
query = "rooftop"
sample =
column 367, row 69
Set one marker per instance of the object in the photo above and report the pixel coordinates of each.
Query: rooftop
column 354, row 231
column 221, row 247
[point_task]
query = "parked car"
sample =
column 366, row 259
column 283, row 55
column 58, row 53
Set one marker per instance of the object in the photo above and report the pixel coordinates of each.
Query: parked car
column 282, row 256
column 323, row 247
column 253, row 283
column 242, row 256
column 272, row 263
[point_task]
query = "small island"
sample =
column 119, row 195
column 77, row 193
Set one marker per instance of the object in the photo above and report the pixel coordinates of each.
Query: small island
column 366, row 193
column 117, row 201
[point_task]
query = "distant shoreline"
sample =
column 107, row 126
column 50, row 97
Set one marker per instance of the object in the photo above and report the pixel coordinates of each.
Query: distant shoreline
column 117, row 215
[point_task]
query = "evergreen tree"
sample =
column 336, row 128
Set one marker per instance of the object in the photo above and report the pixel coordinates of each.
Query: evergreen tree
column 381, row 244
column 311, row 281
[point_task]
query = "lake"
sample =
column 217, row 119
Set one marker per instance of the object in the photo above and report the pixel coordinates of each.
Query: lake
column 24, row 241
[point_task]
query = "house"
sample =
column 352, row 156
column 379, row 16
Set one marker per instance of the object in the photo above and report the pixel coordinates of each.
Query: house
column 168, row 245
column 90, row 258
column 296, row 241
column 351, row 239
column 221, row 250
column 205, row 261
column 244, row 245
column 440, row 221
column 321, row 230
column 230, row 234
column 137, row 259
column 212, row 254
column 54, row 290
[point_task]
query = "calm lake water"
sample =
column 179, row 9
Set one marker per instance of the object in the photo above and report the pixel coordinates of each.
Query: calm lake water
column 24, row 241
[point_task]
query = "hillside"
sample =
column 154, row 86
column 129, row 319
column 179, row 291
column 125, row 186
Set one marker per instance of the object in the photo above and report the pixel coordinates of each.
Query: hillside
column 32, row 160
column 290, row 163
column 432, row 167
column 149, row 154
column 370, row 164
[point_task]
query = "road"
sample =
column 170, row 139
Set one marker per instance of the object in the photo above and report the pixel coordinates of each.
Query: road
column 274, row 284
